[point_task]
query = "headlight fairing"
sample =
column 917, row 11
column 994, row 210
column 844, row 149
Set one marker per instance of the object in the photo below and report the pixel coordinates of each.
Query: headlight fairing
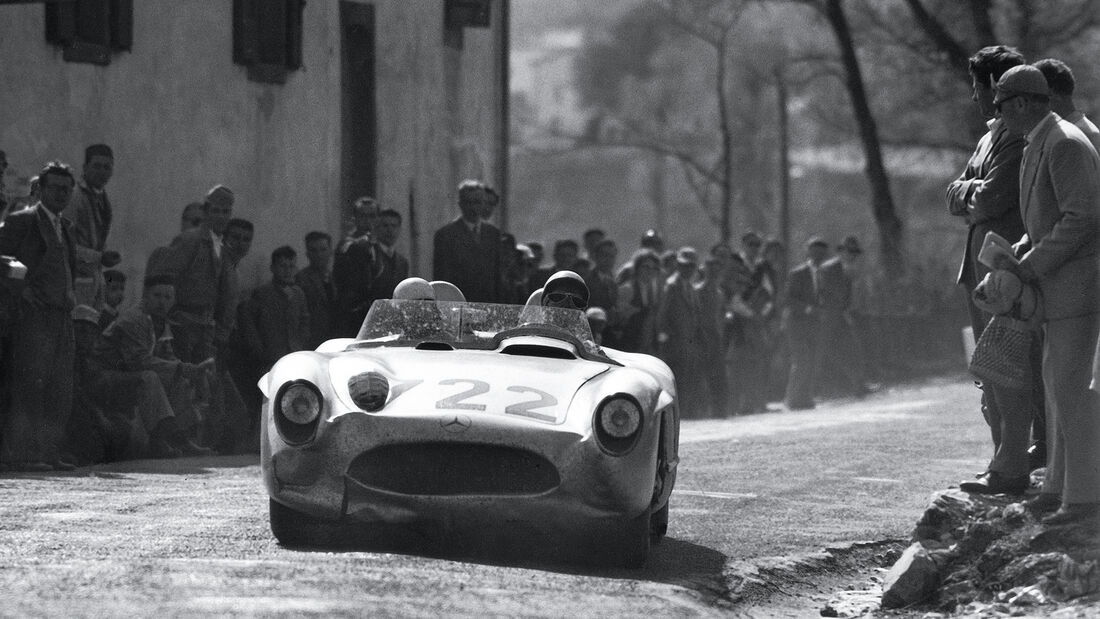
column 369, row 391
column 298, row 407
column 618, row 423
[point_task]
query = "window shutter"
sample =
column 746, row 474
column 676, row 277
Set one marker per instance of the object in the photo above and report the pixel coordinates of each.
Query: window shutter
column 294, row 22
column 122, row 24
column 60, row 22
column 246, row 42
column 93, row 21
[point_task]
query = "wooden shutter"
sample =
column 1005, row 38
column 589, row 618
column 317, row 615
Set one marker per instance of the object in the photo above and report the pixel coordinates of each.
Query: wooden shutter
column 246, row 42
column 122, row 24
column 60, row 22
column 294, row 24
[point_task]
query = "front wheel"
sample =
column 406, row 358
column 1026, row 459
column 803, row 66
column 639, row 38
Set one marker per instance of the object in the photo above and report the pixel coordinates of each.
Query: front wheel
column 629, row 545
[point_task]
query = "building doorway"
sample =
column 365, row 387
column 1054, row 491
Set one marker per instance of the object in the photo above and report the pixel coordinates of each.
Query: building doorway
column 359, row 131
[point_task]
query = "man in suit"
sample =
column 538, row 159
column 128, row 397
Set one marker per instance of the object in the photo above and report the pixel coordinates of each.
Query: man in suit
column 315, row 280
column 195, row 260
column 678, row 331
column 986, row 198
column 43, row 351
column 392, row 266
column 1060, row 204
column 355, row 266
column 466, row 252
column 91, row 214
column 802, row 322
column 1062, row 84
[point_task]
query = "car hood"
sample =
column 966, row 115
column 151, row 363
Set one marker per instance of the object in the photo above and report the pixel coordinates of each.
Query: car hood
column 469, row 382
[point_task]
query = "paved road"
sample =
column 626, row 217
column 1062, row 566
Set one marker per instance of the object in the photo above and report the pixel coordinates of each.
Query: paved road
column 189, row 537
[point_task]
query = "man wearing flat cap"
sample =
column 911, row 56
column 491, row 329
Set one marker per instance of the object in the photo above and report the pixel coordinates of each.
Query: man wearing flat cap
column 986, row 198
column 1060, row 205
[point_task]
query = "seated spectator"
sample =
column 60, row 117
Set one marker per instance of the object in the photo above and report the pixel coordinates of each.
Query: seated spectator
column 135, row 374
column 113, row 295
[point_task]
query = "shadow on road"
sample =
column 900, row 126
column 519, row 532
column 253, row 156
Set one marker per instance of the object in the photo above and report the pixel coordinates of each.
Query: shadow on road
column 174, row 466
column 672, row 561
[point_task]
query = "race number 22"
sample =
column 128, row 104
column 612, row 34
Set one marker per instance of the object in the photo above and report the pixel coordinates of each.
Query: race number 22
column 526, row 408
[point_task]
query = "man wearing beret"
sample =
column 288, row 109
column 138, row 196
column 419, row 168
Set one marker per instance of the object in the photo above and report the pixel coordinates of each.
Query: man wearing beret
column 1060, row 205
column 986, row 196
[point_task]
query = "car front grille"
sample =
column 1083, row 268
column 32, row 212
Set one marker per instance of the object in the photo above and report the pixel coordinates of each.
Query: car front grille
column 444, row 469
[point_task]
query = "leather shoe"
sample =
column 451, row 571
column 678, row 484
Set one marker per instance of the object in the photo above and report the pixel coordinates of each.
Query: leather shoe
column 995, row 483
column 1074, row 513
column 1043, row 503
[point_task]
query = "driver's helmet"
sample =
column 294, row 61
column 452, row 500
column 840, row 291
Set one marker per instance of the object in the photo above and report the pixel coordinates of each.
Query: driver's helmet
column 565, row 289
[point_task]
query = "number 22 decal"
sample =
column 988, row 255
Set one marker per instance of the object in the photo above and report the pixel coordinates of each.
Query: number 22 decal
column 479, row 387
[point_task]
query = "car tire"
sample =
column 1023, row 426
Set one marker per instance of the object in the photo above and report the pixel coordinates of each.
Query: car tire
column 294, row 528
column 658, row 525
column 630, row 547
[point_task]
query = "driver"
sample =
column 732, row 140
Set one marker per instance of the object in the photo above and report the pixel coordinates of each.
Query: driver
column 564, row 289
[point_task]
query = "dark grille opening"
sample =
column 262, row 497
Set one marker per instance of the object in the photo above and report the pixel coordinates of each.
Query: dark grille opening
column 454, row 469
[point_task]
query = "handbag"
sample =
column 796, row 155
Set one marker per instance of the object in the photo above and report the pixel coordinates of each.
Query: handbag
column 1003, row 353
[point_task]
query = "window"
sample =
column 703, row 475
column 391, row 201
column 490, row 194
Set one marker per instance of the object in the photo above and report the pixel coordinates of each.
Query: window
column 89, row 30
column 267, row 38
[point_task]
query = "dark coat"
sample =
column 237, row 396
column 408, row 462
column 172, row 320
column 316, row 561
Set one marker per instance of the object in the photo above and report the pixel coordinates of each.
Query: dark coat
column 471, row 264
column 30, row 238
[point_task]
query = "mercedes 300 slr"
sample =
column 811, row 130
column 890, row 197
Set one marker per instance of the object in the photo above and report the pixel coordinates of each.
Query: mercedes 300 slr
column 472, row 415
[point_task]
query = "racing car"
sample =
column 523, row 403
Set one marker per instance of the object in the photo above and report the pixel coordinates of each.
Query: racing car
column 484, row 416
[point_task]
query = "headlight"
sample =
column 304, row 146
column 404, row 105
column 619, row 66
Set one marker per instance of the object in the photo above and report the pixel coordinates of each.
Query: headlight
column 369, row 391
column 297, row 411
column 618, row 423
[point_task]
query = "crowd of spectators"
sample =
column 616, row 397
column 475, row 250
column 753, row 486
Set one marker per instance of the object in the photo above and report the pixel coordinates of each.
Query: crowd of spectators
column 88, row 377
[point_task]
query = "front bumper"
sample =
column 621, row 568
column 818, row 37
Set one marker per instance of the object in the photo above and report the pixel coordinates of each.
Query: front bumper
column 477, row 469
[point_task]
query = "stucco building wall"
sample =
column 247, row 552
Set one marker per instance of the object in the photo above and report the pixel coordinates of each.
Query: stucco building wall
column 181, row 117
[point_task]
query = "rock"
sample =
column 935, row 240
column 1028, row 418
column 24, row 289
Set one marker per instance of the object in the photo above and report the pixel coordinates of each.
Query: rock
column 912, row 579
column 950, row 510
column 1015, row 514
column 1028, row 569
column 1069, row 539
column 1077, row 579
column 979, row 536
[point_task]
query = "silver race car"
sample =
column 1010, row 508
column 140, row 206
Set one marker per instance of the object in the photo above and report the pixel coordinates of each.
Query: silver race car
column 472, row 416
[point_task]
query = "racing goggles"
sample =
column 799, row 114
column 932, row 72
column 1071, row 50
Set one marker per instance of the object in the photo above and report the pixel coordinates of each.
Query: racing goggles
column 566, row 299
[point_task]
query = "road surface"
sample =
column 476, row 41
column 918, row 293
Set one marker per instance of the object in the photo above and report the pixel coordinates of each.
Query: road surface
column 189, row 537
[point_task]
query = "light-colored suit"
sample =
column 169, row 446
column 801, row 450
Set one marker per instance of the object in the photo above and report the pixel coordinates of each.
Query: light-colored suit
column 1060, row 205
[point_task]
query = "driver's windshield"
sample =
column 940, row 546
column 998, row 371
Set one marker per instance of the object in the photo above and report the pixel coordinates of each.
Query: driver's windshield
column 467, row 325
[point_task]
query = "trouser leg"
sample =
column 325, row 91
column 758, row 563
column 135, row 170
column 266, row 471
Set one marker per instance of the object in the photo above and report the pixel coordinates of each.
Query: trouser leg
column 1073, row 410
column 1013, row 428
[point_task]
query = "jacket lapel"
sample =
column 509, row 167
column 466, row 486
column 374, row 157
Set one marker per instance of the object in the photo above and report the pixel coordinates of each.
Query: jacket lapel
column 1033, row 155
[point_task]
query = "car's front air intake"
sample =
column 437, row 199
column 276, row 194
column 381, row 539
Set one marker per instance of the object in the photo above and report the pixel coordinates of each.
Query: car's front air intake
column 454, row 469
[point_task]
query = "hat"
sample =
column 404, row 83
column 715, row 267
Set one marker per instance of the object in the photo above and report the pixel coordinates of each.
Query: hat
column 220, row 195
column 446, row 291
column 850, row 243
column 414, row 289
column 816, row 240
column 687, row 255
column 1021, row 80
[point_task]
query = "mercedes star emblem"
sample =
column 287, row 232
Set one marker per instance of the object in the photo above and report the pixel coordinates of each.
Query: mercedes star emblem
column 455, row 423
